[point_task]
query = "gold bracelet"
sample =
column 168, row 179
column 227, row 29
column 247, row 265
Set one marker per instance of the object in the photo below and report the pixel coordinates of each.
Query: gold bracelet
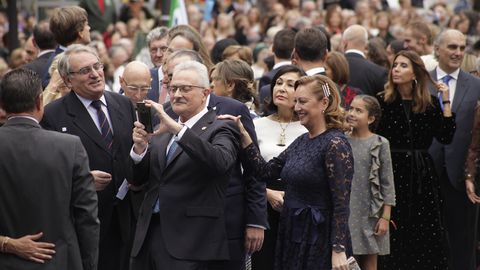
column 4, row 242
column 387, row 219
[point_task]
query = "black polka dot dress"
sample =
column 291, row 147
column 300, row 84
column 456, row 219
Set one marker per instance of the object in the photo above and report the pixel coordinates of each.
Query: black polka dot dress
column 419, row 241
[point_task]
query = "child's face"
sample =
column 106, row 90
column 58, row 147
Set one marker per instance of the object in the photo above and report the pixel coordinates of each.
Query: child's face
column 357, row 116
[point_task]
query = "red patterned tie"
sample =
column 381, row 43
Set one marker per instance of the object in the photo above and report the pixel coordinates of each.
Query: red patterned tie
column 101, row 5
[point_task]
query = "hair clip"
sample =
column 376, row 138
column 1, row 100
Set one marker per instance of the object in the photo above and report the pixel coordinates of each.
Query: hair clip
column 326, row 90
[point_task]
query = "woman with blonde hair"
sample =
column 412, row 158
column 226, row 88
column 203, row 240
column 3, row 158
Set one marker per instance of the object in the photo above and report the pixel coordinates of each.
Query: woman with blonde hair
column 56, row 88
column 317, row 169
column 412, row 118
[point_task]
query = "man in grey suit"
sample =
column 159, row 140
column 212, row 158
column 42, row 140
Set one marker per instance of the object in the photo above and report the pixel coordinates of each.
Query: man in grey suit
column 459, row 212
column 46, row 188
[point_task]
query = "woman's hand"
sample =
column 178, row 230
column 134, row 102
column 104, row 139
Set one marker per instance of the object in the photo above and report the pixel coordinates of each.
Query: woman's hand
column 339, row 261
column 443, row 89
column 382, row 227
column 246, row 140
column 470, row 188
column 275, row 198
column 27, row 248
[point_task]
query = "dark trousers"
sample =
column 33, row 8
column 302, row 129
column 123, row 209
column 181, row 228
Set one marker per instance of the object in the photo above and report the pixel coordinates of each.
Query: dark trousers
column 154, row 256
column 114, row 252
column 460, row 223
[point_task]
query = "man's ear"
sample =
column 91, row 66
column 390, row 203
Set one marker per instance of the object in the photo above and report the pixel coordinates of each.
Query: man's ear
column 39, row 102
column 66, row 80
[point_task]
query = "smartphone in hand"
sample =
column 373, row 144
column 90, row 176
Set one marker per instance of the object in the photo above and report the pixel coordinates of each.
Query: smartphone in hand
column 144, row 116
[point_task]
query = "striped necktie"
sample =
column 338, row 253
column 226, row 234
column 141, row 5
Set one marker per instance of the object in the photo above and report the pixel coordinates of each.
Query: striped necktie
column 105, row 129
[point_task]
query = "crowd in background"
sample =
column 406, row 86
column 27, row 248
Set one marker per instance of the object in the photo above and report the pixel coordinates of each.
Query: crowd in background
column 420, row 59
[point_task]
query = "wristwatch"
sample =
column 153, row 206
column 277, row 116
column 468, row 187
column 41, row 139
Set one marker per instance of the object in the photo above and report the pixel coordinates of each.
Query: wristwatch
column 338, row 248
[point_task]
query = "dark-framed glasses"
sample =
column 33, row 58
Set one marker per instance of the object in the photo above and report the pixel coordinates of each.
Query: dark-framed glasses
column 86, row 70
column 184, row 89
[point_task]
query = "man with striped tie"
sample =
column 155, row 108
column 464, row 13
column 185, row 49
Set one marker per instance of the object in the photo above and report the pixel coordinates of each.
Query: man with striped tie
column 104, row 123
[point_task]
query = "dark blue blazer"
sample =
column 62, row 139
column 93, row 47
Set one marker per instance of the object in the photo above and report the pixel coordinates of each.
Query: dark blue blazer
column 46, row 76
column 246, row 197
column 366, row 75
column 153, row 94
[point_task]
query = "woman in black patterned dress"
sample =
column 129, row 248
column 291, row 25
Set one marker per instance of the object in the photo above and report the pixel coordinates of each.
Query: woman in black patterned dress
column 317, row 169
column 411, row 118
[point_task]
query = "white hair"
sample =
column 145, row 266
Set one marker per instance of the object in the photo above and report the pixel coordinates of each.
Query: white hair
column 200, row 69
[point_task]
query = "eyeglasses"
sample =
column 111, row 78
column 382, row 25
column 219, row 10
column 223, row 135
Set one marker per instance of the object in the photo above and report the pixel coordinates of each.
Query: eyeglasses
column 86, row 70
column 136, row 88
column 184, row 89
column 162, row 49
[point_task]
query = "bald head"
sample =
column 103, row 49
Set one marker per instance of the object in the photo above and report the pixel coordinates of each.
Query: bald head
column 355, row 37
column 136, row 81
column 450, row 50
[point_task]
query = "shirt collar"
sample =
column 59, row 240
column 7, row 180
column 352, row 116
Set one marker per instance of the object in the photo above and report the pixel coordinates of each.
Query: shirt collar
column 314, row 71
column 44, row 52
column 23, row 116
column 441, row 73
column 356, row 51
column 281, row 64
column 87, row 102
column 193, row 120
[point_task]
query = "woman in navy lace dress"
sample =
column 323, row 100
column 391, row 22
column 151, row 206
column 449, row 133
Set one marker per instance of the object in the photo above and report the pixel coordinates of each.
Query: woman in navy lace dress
column 317, row 169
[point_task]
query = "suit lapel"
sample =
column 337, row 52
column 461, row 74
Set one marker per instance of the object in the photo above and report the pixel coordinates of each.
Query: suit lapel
column 199, row 128
column 116, row 117
column 83, row 120
column 460, row 90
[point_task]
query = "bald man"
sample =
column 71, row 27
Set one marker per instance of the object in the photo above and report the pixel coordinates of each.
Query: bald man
column 135, row 81
column 364, row 74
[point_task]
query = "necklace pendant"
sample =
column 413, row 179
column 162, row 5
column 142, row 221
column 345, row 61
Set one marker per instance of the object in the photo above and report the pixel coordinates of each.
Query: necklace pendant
column 281, row 141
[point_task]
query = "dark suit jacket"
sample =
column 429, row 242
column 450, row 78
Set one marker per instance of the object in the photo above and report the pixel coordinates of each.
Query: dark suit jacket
column 153, row 94
column 96, row 19
column 38, row 65
column 191, row 189
column 68, row 115
column 46, row 76
column 246, row 198
column 366, row 75
column 453, row 156
column 46, row 186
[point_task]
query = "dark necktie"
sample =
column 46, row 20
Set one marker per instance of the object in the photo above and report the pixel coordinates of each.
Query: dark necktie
column 445, row 80
column 106, row 131
column 171, row 150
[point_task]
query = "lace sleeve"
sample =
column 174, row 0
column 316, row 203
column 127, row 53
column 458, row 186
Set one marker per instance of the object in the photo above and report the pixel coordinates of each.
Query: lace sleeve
column 474, row 148
column 254, row 164
column 339, row 164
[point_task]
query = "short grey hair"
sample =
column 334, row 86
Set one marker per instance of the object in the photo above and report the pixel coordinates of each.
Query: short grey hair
column 157, row 33
column 64, row 61
column 193, row 55
column 200, row 69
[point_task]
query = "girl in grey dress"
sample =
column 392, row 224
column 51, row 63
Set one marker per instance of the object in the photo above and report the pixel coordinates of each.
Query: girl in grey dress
column 373, row 192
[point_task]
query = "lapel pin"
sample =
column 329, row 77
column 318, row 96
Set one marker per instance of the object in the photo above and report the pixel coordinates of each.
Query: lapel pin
column 64, row 129
column 203, row 128
column 214, row 108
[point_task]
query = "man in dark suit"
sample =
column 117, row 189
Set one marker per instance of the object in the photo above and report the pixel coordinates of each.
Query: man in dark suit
column 43, row 38
column 459, row 212
column 188, row 166
column 103, row 121
column 157, row 46
column 364, row 74
column 101, row 13
column 282, row 51
column 310, row 51
column 69, row 25
column 46, row 187
column 246, row 199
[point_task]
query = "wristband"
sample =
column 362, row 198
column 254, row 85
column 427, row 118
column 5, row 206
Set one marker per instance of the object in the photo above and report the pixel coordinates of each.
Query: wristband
column 446, row 102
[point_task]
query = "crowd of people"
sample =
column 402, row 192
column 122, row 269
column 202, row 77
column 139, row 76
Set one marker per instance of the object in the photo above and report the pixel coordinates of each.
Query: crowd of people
column 287, row 135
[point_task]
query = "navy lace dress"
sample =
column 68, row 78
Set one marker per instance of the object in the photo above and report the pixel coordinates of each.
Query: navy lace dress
column 318, row 173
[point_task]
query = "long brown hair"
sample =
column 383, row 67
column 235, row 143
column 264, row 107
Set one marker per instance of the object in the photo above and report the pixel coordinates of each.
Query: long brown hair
column 420, row 93
column 334, row 113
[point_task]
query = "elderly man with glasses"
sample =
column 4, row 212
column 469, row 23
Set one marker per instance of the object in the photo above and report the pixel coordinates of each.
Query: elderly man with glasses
column 103, row 120
column 187, row 165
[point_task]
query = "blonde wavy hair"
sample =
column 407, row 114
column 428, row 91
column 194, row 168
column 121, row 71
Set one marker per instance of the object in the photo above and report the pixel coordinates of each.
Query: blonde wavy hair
column 334, row 113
